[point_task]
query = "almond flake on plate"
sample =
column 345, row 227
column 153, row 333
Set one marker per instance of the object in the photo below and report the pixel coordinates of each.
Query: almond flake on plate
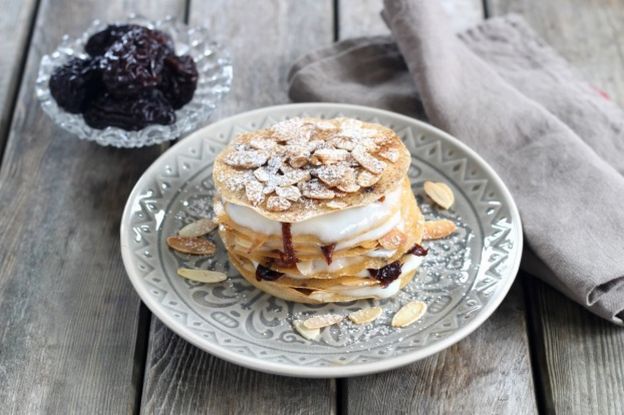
column 200, row 227
column 202, row 275
column 440, row 193
column 194, row 246
column 323, row 320
column 438, row 229
column 310, row 334
column 365, row 315
column 409, row 314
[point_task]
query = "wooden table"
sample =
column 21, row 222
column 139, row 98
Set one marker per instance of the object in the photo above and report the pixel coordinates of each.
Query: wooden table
column 74, row 337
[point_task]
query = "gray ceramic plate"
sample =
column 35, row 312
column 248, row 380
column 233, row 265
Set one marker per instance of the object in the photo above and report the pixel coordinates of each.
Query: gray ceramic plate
column 463, row 279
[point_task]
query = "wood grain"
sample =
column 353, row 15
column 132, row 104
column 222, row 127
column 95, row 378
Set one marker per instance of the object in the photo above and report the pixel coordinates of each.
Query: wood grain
column 265, row 38
column 488, row 372
column 69, row 313
column 579, row 355
column 362, row 17
column 16, row 21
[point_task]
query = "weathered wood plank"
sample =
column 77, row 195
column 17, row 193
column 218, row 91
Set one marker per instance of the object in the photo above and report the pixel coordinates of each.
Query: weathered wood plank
column 361, row 17
column 179, row 377
column 16, row 21
column 69, row 314
column 579, row 355
column 488, row 372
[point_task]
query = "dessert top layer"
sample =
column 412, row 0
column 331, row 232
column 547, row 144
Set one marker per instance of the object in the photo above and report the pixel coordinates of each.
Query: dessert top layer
column 305, row 167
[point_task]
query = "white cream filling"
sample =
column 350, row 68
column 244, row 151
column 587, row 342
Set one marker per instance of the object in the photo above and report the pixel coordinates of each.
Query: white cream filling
column 329, row 228
column 411, row 263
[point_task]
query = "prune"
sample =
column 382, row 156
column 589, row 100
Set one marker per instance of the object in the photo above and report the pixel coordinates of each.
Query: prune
column 134, row 63
column 387, row 274
column 264, row 273
column 418, row 250
column 74, row 83
column 98, row 43
column 179, row 80
column 150, row 107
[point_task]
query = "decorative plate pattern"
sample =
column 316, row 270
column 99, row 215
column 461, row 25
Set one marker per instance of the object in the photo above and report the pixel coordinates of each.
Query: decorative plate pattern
column 463, row 279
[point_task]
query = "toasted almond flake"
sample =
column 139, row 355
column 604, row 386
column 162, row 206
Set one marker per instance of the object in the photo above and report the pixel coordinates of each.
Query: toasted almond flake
column 291, row 193
column 246, row 159
column 409, row 313
column 440, row 193
column 202, row 275
column 348, row 183
column 367, row 179
column 332, row 175
column 336, row 204
column 344, row 143
column 367, row 161
column 323, row 320
column 298, row 155
column 261, row 143
column 390, row 154
column 331, row 155
column 393, row 239
column 365, row 315
column 310, row 334
column 277, row 204
column 438, row 229
column 254, row 191
column 262, row 174
column 200, row 227
column 314, row 189
column 194, row 246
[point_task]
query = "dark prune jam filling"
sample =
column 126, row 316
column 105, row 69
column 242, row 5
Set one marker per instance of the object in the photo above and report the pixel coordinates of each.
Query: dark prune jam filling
column 385, row 275
column 418, row 250
column 131, row 79
column 267, row 274
column 288, row 257
column 328, row 252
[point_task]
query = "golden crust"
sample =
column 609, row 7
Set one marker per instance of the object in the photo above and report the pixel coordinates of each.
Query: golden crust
column 247, row 171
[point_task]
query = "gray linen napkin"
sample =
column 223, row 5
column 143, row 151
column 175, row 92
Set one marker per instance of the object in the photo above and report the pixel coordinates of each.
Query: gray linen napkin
column 557, row 142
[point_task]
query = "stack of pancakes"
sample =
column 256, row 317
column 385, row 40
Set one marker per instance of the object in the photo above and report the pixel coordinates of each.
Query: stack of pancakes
column 318, row 211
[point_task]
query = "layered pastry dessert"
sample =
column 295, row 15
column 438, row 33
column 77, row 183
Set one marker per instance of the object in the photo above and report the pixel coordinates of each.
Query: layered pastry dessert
column 318, row 211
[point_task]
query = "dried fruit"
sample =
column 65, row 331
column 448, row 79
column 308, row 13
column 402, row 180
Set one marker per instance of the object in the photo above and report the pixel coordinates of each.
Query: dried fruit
column 387, row 274
column 393, row 239
column 310, row 334
column 409, row 313
column 202, row 275
column 438, row 229
column 365, row 315
column 179, row 80
column 74, row 84
column 440, row 193
column 323, row 320
column 267, row 274
column 193, row 246
column 200, row 227
column 99, row 42
column 418, row 250
column 129, row 113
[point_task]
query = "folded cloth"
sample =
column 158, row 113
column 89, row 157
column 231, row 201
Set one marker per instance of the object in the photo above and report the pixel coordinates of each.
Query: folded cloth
column 556, row 141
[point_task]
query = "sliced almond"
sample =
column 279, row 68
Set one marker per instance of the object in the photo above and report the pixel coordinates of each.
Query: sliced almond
column 331, row 155
column 409, row 313
column 393, row 239
column 323, row 320
column 200, row 227
column 194, row 246
column 310, row 334
column 365, row 315
column 438, row 229
column 390, row 154
column 336, row 204
column 246, row 159
column 202, row 275
column 277, row 204
column 262, row 143
column 291, row 193
column 254, row 191
column 367, row 179
column 314, row 189
column 440, row 193
column 348, row 183
column 367, row 161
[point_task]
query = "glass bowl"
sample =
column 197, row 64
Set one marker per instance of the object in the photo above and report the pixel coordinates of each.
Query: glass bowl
column 215, row 77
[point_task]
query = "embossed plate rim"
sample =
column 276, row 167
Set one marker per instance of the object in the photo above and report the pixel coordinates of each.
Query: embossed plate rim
column 326, row 371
